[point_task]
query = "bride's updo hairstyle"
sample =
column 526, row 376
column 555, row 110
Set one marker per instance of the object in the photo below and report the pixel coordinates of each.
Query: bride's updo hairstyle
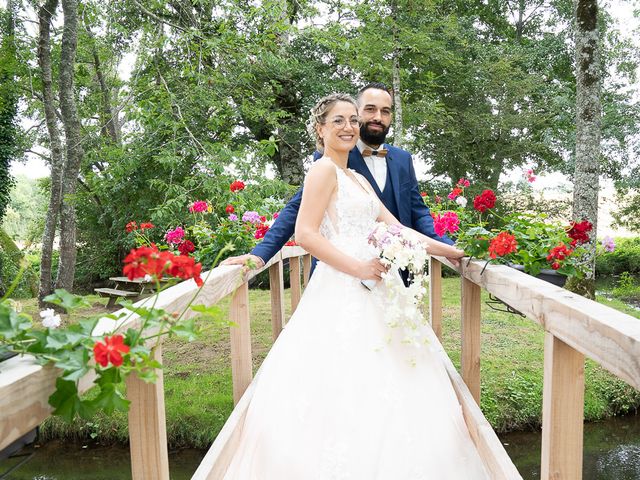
column 319, row 114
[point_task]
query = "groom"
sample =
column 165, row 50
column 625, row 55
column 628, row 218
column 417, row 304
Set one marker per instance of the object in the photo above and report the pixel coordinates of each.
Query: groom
column 389, row 170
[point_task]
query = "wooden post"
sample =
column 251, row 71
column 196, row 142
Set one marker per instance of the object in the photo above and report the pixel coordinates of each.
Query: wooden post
column 147, row 426
column 241, row 362
column 294, row 280
column 435, row 296
column 562, row 410
column 306, row 268
column 276, row 285
column 470, row 333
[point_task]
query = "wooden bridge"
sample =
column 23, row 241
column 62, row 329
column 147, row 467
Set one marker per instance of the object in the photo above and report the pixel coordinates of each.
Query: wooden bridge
column 574, row 328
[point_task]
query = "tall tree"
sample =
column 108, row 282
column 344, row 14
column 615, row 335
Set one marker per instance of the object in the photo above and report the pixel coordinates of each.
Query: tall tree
column 73, row 148
column 45, row 15
column 588, row 112
column 8, row 104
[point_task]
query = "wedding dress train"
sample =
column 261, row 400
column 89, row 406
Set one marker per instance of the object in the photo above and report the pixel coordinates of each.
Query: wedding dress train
column 340, row 396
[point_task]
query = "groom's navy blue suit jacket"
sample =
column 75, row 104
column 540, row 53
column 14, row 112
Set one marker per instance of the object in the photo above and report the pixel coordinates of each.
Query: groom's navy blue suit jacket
column 406, row 201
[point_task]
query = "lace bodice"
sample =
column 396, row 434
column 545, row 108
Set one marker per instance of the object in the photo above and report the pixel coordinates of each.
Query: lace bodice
column 351, row 215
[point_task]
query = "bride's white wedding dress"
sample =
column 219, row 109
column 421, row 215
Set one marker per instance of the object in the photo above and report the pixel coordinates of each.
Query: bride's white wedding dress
column 339, row 396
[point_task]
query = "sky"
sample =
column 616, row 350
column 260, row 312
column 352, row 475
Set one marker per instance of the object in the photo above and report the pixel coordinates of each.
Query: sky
column 35, row 167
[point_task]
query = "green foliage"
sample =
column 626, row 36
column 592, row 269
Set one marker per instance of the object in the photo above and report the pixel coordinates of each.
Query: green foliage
column 627, row 288
column 24, row 219
column 625, row 258
column 11, row 262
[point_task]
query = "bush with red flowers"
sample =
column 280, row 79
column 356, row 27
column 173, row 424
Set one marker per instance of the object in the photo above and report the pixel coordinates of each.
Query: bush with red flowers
column 518, row 238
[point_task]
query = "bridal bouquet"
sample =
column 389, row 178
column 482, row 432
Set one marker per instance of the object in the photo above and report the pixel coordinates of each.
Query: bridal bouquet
column 399, row 249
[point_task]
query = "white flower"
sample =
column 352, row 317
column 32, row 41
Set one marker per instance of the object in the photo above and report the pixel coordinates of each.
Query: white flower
column 147, row 278
column 50, row 319
column 461, row 201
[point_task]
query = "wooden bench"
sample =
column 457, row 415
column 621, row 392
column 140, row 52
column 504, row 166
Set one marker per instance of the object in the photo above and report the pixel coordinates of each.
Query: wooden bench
column 114, row 294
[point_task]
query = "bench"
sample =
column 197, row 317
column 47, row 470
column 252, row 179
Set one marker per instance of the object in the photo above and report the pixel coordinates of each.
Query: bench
column 114, row 294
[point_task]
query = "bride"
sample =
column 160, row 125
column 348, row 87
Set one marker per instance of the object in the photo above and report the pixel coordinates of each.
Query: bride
column 339, row 395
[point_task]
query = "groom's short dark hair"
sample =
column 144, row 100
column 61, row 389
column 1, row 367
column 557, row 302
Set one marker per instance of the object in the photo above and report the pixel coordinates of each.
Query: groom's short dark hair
column 375, row 85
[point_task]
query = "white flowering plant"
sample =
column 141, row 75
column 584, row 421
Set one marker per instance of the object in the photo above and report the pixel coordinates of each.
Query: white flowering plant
column 401, row 250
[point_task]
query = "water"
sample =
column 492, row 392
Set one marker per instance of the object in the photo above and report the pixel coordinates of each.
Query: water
column 67, row 461
column 611, row 450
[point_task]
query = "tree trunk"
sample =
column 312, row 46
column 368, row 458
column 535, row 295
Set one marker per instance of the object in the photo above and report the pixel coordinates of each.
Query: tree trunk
column 45, row 15
column 71, row 121
column 588, row 108
column 398, row 127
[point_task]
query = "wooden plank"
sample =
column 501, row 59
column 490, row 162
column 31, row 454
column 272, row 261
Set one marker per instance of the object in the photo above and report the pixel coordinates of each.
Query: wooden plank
column 294, row 281
column 241, row 361
column 562, row 410
column 492, row 452
column 606, row 335
column 276, row 286
column 147, row 426
column 470, row 333
column 435, row 296
column 116, row 292
column 306, row 268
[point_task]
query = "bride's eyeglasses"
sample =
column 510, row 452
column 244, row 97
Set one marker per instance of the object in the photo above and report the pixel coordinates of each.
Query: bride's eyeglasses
column 340, row 122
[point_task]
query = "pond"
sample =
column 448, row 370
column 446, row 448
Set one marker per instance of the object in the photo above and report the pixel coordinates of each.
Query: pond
column 611, row 452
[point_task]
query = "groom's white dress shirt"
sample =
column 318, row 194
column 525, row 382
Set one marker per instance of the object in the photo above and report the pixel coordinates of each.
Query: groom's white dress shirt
column 376, row 165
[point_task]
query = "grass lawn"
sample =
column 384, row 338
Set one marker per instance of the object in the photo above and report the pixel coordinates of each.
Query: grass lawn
column 199, row 392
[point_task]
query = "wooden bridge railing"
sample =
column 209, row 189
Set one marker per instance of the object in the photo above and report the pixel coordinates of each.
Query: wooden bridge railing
column 25, row 386
column 575, row 327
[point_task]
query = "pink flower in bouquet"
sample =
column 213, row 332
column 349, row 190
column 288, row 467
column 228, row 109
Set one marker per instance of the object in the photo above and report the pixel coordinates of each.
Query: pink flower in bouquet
column 174, row 236
column 233, row 217
column 463, row 182
column 199, row 207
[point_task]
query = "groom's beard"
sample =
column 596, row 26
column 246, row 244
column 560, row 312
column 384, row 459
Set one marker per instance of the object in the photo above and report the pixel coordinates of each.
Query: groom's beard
column 373, row 138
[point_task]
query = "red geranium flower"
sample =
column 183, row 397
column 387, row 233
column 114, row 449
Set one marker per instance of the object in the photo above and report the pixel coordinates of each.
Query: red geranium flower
column 503, row 244
column 131, row 226
column 229, row 209
column 423, row 194
column 185, row 267
column 236, row 186
column 484, row 201
column 110, row 351
column 291, row 243
column 454, row 193
column 261, row 231
column 146, row 226
column 144, row 260
column 578, row 232
column 559, row 252
column 186, row 247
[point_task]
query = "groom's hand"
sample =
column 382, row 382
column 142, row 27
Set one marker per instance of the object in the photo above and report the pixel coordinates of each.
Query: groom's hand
column 248, row 261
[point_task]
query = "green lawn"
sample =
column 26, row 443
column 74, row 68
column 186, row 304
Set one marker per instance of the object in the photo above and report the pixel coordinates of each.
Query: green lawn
column 198, row 375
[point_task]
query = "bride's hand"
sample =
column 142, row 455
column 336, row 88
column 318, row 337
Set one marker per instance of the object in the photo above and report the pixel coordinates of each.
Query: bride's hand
column 370, row 269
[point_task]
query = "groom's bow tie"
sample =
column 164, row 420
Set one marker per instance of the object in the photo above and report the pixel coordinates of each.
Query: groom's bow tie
column 367, row 152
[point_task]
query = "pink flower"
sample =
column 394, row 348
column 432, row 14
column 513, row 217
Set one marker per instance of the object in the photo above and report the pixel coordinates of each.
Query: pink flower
column 609, row 244
column 454, row 193
column 530, row 176
column 199, row 206
column 174, row 236
column 463, row 182
column 447, row 222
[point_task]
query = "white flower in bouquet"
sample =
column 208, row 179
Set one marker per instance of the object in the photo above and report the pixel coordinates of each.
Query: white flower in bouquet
column 400, row 249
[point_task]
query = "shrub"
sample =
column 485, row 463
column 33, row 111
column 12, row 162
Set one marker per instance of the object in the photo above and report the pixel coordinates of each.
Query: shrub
column 625, row 258
column 10, row 260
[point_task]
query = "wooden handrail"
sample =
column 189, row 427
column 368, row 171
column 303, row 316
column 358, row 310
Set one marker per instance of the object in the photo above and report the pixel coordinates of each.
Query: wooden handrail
column 575, row 327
